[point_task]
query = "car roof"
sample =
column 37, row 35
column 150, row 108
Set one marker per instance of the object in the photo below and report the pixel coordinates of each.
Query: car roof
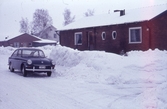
column 26, row 48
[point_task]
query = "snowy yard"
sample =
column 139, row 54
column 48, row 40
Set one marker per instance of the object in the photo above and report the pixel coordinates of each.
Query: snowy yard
column 88, row 80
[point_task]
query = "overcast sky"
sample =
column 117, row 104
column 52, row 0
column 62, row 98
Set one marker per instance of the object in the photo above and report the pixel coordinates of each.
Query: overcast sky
column 11, row 11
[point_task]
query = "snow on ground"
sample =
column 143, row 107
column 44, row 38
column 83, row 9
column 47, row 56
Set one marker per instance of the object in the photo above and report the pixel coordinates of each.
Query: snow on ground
column 88, row 80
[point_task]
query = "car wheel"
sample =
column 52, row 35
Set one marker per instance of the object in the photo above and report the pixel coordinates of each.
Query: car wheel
column 11, row 68
column 24, row 71
column 49, row 73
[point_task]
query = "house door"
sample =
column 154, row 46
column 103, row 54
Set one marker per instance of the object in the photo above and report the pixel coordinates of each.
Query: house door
column 91, row 41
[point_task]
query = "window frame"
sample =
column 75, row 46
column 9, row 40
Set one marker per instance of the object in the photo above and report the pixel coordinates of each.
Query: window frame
column 114, row 37
column 75, row 38
column 103, row 37
column 135, row 42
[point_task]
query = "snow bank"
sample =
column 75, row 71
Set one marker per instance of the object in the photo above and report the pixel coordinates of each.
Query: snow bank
column 106, row 80
column 143, row 73
column 65, row 56
column 99, row 66
column 6, row 50
column 90, row 65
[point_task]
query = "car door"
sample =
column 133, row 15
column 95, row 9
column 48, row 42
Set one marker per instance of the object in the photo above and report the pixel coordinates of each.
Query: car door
column 16, row 59
column 19, row 59
column 12, row 59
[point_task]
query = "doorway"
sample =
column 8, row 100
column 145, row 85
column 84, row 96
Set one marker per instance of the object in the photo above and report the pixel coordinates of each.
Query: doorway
column 91, row 41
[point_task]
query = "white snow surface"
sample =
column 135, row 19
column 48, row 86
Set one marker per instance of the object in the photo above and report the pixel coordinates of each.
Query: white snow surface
column 88, row 80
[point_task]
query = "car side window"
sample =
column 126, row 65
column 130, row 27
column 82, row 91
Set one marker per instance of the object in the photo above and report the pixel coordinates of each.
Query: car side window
column 19, row 53
column 36, row 54
column 15, row 53
column 41, row 54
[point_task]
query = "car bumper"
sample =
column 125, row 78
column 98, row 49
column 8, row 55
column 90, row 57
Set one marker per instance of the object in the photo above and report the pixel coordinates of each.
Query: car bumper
column 37, row 69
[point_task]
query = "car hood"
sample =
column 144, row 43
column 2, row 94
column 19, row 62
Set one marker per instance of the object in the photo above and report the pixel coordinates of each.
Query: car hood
column 41, row 61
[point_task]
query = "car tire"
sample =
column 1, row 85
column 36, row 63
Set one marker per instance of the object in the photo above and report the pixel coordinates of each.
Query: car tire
column 11, row 68
column 24, row 72
column 49, row 73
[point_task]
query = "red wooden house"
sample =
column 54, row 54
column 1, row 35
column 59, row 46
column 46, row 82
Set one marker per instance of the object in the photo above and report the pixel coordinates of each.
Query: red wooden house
column 135, row 29
column 26, row 40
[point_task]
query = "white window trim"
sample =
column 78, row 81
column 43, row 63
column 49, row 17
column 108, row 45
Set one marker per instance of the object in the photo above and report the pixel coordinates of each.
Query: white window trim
column 113, row 35
column 75, row 39
column 140, row 35
column 103, row 38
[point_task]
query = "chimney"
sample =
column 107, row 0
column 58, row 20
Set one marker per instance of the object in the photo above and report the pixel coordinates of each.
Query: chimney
column 122, row 12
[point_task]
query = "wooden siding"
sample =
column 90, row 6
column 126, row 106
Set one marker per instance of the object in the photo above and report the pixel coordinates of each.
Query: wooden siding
column 24, row 40
column 154, row 35
column 158, row 32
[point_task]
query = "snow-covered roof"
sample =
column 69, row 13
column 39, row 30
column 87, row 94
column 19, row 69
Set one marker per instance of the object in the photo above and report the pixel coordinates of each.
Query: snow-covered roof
column 45, row 41
column 40, row 40
column 132, row 15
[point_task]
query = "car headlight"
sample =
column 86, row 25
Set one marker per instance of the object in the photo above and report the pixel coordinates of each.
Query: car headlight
column 29, row 62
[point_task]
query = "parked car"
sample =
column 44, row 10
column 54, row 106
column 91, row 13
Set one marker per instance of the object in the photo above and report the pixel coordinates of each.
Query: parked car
column 30, row 60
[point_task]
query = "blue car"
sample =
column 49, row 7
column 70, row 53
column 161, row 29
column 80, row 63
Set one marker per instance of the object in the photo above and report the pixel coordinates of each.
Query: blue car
column 30, row 60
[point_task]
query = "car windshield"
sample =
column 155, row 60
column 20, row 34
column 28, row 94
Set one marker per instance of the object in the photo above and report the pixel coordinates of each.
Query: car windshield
column 33, row 53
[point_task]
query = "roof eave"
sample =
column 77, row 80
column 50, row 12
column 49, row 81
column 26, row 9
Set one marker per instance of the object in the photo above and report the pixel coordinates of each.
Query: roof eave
column 104, row 25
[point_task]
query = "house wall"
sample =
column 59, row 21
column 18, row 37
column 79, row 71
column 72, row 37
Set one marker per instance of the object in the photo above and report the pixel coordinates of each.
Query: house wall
column 154, row 35
column 158, row 32
column 50, row 33
column 3, row 43
column 23, row 40
column 109, row 44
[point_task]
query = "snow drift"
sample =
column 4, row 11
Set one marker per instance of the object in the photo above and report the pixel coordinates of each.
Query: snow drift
column 146, row 70
column 89, row 80
column 138, row 66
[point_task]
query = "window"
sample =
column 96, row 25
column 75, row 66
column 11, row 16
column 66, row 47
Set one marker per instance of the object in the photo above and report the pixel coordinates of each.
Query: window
column 16, row 44
column 15, row 53
column 41, row 54
column 103, row 35
column 55, row 36
column 135, row 35
column 78, row 38
column 19, row 53
column 32, row 53
column 114, row 35
column 30, row 44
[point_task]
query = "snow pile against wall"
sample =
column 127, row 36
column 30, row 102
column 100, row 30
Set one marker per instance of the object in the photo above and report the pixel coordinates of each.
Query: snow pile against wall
column 65, row 56
column 98, row 66
column 141, row 73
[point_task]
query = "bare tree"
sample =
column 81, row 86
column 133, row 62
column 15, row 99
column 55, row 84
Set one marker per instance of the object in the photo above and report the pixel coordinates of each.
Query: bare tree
column 41, row 20
column 67, row 17
column 24, row 28
column 89, row 13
